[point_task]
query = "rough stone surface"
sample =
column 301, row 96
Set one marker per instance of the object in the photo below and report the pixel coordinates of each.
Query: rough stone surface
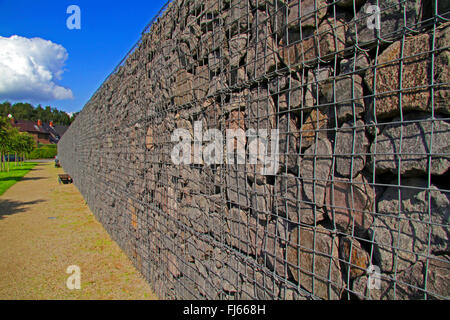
column 347, row 94
column 410, row 282
column 349, row 205
column 290, row 201
column 314, row 127
column 312, row 270
column 412, row 216
column 299, row 51
column 295, row 14
column 237, row 186
column 351, row 139
column 273, row 250
column 288, row 142
column 239, row 17
column 261, row 109
column 315, row 170
column 244, row 232
column 416, row 93
column 417, row 138
column 228, row 230
column 183, row 88
column 392, row 18
column 261, row 201
column 237, row 49
column 291, row 98
column 354, row 257
column 262, row 55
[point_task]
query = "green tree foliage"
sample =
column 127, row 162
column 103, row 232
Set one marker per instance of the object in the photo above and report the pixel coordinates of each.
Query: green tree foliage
column 46, row 151
column 26, row 111
column 12, row 141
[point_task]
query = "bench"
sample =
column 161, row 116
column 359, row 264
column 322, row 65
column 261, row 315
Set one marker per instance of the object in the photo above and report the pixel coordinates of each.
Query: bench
column 64, row 178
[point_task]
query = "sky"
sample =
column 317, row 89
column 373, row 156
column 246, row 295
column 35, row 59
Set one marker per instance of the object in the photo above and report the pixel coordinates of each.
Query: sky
column 44, row 62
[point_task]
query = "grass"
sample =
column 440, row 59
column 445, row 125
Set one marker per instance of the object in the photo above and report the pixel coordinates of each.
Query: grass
column 16, row 172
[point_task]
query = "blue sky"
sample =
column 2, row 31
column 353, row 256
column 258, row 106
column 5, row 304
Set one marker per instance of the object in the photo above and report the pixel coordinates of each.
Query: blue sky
column 108, row 30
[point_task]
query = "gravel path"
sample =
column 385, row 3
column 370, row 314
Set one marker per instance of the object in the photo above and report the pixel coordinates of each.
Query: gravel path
column 46, row 227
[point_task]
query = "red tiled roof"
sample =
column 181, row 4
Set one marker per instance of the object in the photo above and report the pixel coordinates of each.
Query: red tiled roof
column 29, row 126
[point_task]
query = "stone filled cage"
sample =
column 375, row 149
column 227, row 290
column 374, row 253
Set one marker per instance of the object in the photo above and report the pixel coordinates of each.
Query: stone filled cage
column 359, row 206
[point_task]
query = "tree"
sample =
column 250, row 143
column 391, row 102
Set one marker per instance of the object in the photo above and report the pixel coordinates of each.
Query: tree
column 5, row 126
column 13, row 141
column 24, row 144
column 7, row 133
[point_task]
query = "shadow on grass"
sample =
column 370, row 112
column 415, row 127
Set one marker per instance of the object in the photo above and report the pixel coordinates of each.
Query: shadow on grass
column 20, row 178
column 9, row 207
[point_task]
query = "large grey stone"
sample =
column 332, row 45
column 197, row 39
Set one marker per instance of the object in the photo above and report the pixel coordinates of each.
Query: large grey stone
column 410, row 283
column 295, row 14
column 239, row 17
column 314, row 262
column 237, row 50
column 413, row 57
column 349, row 204
column 419, row 137
column 292, row 97
column 350, row 149
column 288, row 142
column 394, row 16
column 314, row 127
column 216, row 85
column 237, row 187
column 317, row 85
column 261, row 109
column 315, row 170
column 273, row 249
column 298, row 51
column 244, row 232
column 262, row 55
column 261, row 201
column 411, row 221
column 201, row 82
column 356, row 64
column 354, row 258
column 290, row 202
column 182, row 91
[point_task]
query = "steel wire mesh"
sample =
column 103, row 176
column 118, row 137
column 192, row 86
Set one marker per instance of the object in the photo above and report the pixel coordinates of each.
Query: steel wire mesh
column 359, row 205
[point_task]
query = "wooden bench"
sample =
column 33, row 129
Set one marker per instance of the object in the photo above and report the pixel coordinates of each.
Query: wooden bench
column 64, row 178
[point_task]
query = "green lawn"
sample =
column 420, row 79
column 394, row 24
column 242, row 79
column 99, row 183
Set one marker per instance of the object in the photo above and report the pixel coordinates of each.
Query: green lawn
column 7, row 179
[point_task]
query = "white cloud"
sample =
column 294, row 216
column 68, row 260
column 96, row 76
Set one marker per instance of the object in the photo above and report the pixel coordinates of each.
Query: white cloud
column 29, row 69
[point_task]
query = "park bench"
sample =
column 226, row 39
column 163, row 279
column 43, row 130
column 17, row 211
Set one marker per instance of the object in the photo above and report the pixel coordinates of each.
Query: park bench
column 64, row 178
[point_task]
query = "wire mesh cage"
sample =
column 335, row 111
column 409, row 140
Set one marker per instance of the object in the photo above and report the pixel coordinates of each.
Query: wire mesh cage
column 349, row 102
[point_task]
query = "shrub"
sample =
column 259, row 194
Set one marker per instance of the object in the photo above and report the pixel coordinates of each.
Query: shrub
column 44, row 151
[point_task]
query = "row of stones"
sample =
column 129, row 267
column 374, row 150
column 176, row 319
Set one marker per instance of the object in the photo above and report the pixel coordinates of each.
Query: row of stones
column 260, row 217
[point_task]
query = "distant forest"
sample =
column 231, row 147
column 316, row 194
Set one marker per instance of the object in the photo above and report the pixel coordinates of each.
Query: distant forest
column 26, row 111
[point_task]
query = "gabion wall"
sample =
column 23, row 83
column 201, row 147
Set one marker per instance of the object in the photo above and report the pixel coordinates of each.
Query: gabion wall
column 359, row 207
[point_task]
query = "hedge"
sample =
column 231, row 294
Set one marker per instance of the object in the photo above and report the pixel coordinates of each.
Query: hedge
column 46, row 151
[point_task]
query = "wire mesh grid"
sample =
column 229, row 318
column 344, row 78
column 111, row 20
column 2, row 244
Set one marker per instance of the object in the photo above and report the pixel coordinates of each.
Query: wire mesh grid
column 358, row 207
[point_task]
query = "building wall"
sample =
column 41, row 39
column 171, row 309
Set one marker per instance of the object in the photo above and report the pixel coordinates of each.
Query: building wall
column 363, row 151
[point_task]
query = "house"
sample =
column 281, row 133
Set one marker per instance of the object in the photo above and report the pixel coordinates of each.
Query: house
column 44, row 133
